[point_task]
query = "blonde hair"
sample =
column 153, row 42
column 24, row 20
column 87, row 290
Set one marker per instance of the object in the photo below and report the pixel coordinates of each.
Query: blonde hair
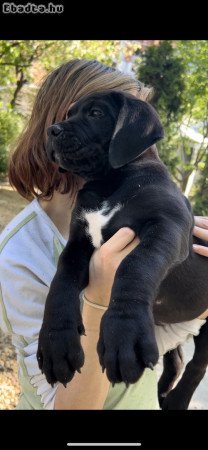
column 30, row 171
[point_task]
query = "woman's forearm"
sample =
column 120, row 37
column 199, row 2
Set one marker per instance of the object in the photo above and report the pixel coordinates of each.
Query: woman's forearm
column 89, row 389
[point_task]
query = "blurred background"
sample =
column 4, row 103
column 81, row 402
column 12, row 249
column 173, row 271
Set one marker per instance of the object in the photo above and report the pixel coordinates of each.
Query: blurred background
column 178, row 73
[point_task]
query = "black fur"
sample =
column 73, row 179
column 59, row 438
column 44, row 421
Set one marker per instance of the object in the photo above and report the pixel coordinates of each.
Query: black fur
column 108, row 139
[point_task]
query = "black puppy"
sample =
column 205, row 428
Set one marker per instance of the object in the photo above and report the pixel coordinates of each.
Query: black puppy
column 108, row 139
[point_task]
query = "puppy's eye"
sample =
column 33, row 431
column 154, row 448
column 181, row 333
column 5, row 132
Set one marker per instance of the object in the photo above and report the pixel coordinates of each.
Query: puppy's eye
column 94, row 112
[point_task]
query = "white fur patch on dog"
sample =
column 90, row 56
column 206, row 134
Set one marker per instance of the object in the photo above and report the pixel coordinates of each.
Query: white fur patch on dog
column 97, row 220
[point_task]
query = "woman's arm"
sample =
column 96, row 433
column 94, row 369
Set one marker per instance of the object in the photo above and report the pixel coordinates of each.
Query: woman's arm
column 89, row 389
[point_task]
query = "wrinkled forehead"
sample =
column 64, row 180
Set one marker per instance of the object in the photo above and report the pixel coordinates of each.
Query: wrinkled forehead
column 103, row 100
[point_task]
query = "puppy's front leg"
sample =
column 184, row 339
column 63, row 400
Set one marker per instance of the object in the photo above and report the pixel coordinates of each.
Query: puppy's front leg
column 59, row 350
column 127, row 340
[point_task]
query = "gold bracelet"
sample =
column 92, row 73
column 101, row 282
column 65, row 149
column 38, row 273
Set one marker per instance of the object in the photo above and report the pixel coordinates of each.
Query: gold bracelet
column 94, row 305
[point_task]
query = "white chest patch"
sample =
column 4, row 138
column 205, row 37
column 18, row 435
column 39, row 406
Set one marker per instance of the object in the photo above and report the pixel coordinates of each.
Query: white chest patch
column 97, row 220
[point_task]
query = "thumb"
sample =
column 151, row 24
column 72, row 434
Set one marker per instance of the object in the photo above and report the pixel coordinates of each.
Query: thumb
column 119, row 240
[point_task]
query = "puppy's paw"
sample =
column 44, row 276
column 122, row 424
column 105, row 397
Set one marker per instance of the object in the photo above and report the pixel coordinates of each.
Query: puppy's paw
column 60, row 354
column 126, row 345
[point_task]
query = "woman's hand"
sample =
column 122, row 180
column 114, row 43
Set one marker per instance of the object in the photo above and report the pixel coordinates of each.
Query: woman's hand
column 107, row 258
column 201, row 231
column 104, row 263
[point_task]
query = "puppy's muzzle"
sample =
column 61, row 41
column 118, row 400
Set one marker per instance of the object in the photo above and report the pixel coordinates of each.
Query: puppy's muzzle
column 63, row 143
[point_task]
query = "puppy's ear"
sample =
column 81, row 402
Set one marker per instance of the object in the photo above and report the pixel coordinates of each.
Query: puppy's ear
column 137, row 128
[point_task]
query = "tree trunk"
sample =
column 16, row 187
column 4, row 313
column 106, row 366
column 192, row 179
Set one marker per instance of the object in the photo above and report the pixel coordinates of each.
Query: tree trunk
column 20, row 84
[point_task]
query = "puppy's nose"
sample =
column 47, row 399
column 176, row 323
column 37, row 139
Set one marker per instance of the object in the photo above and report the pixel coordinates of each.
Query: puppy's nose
column 54, row 130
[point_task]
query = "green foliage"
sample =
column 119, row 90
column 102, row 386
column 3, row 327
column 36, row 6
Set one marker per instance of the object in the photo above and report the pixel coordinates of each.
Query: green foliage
column 178, row 71
column 10, row 126
column 17, row 58
column 162, row 69
column 199, row 196
column 195, row 96
column 167, row 148
column 106, row 52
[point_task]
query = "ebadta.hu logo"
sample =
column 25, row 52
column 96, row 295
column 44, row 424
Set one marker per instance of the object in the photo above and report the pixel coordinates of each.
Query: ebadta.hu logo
column 32, row 8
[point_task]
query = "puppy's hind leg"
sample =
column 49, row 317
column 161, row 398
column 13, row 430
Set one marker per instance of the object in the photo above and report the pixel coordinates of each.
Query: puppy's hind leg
column 172, row 367
column 180, row 397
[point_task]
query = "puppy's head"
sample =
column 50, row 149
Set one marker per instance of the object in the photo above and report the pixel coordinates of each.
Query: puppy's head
column 103, row 131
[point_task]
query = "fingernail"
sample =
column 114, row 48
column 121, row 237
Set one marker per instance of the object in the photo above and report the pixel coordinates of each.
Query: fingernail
column 128, row 230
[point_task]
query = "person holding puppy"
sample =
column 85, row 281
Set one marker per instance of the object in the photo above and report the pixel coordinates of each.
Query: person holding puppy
column 31, row 244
